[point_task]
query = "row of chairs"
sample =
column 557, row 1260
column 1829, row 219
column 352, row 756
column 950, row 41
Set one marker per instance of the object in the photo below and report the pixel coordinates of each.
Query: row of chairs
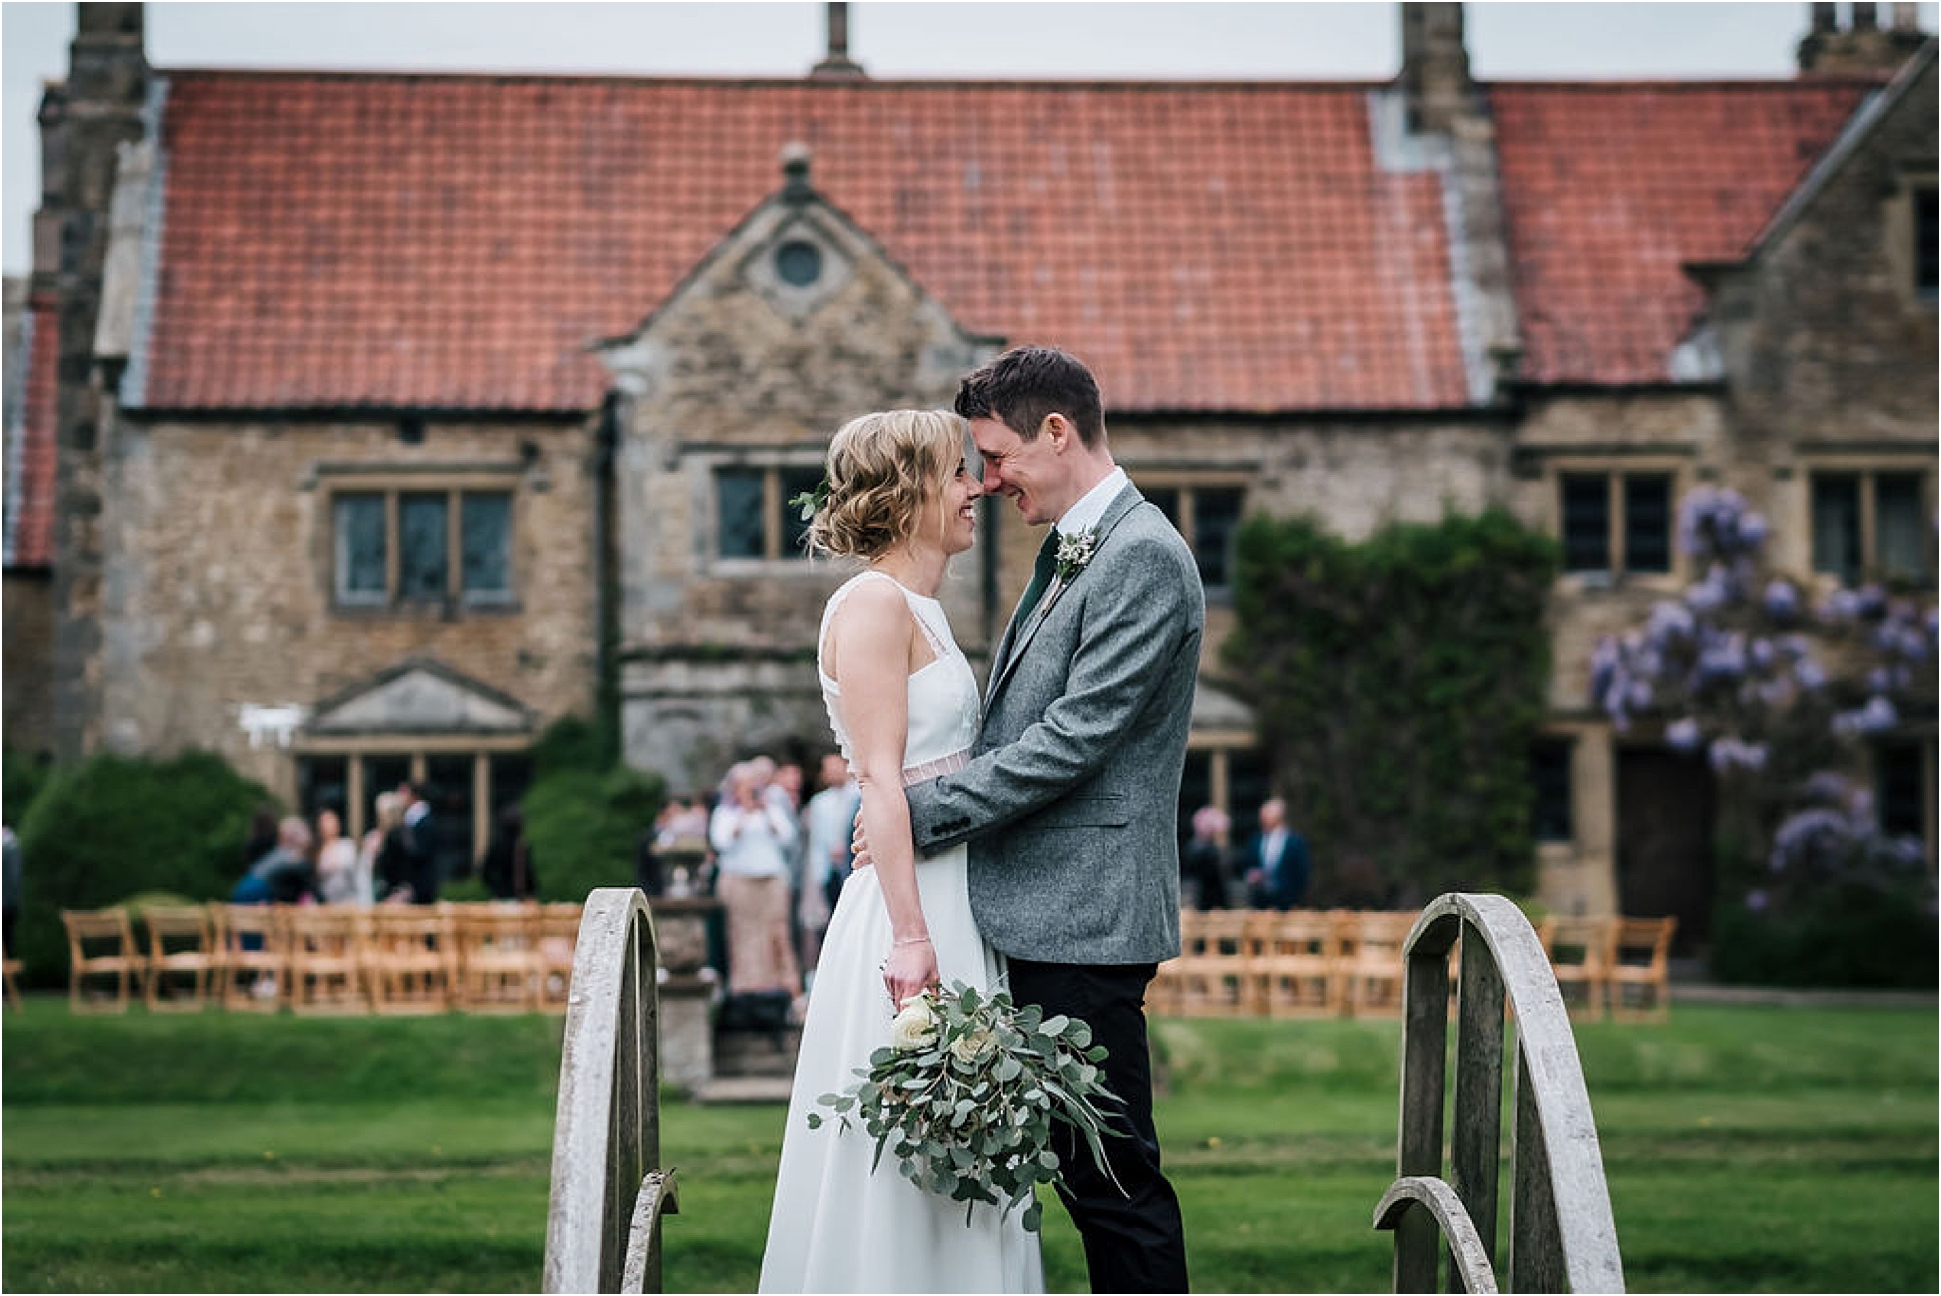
column 484, row 957
column 1315, row 963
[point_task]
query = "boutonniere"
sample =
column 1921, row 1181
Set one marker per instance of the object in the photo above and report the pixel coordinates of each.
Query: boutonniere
column 1074, row 554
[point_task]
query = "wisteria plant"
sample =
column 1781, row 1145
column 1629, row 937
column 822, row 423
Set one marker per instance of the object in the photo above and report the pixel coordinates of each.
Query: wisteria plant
column 1777, row 692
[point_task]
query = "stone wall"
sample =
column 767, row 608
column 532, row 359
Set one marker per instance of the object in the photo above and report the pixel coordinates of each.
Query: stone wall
column 744, row 367
column 219, row 588
column 1828, row 347
column 28, row 665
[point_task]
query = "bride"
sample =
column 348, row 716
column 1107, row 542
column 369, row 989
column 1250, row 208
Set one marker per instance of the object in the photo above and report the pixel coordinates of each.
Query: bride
column 904, row 707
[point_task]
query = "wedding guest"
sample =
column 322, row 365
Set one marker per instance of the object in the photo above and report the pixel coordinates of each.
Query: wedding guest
column 283, row 875
column 10, row 879
column 381, row 856
column 1203, row 864
column 418, row 839
column 337, row 881
column 1277, row 864
column 750, row 833
column 262, row 834
column 508, row 860
column 829, row 821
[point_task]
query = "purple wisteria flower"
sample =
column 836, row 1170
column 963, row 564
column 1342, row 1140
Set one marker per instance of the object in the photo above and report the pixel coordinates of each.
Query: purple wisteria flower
column 1727, row 753
column 1817, row 831
column 1781, row 599
column 1839, row 607
column 1669, row 622
column 1717, row 524
column 1878, row 716
column 1682, row 735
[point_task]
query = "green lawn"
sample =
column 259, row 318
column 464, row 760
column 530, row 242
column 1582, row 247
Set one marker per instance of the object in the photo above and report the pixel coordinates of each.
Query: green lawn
column 1748, row 1149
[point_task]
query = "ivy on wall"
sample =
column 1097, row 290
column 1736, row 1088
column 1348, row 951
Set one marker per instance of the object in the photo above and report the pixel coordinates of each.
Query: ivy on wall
column 1399, row 683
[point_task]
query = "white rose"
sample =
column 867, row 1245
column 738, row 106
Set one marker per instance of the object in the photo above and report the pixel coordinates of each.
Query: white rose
column 914, row 1028
column 973, row 1048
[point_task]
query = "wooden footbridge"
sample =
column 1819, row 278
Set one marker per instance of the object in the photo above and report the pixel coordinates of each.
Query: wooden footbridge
column 610, row 1192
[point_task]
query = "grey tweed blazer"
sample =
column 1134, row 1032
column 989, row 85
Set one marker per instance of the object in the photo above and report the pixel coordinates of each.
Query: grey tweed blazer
column 1071, row 804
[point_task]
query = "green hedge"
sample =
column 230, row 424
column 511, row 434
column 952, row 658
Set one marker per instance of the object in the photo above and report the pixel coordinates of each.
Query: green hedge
column 1399, row 683
column 22, row 776
column 1850, row 936
column 112, row 826
column 585, row 812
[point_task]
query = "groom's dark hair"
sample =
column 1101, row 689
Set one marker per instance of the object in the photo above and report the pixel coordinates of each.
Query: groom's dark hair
column 1025, row 384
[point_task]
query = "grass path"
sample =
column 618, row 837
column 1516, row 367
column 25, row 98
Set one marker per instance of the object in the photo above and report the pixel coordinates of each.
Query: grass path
column 1747, row 1149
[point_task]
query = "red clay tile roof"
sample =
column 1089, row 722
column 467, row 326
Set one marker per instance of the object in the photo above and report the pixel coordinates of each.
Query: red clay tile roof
column 1610, row 188
column 456, row 241
column 30, row 498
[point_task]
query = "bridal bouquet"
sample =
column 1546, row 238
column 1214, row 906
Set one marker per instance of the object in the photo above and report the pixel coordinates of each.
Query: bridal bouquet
column 966, row 1094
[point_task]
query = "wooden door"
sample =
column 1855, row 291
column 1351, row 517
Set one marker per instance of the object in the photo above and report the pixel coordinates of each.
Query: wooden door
column 1664, row 847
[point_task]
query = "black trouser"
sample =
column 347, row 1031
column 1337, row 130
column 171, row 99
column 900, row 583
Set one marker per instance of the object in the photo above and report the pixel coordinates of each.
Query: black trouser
column 1134, row 1241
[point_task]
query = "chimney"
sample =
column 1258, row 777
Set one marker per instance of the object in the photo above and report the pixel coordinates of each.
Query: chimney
column 1435, row 66
column 1864, row 46
column 836, row 65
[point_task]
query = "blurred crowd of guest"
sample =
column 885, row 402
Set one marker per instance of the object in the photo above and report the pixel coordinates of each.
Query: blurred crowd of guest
column 290, row 860
column 773, row 854
column 1269, row 872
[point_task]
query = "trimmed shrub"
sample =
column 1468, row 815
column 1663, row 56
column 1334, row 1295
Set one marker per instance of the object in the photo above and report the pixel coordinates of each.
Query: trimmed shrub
column 1852, row 936
column 1399, row 683
column 22, row 776
column 584, row 825
column 114, row 826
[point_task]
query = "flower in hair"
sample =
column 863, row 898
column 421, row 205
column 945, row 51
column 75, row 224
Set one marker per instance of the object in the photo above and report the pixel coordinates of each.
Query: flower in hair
column 811, row 502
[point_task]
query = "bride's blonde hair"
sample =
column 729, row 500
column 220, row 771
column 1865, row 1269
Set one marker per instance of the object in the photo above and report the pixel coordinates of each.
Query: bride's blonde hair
column 880, row 470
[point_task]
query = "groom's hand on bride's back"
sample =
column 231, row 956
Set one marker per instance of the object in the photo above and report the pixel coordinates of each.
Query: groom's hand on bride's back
column 859, row 848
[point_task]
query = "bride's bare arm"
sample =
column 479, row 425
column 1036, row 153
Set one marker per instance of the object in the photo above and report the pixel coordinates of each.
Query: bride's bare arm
column 871, row 641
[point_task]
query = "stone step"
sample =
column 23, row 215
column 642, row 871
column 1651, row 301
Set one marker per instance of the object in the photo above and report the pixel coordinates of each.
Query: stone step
column 756, row 1053
column 727, row 1090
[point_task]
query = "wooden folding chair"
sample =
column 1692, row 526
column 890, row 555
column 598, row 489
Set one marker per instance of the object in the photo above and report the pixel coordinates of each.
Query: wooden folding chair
column 327, row 956
column 1579, row 950
column 1639, row 967
column 1213, row 966
column 1162, row 992
column 411, row 964
column 1371, row 962
column 498, row 957
column 1295, row 961
column 253, row 941
column 559, row 932
column 101, row 943
column 9, row 972
column 183, row 960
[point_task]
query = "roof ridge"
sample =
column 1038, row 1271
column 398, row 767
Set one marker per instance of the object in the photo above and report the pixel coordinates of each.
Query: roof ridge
column 743, row 80
column 1843, row 81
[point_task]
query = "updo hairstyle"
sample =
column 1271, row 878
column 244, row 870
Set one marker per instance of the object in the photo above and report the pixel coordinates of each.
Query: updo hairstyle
column 881, row 469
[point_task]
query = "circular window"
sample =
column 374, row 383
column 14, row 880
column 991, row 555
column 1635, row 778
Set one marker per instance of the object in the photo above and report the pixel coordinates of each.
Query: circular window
column 799, row 263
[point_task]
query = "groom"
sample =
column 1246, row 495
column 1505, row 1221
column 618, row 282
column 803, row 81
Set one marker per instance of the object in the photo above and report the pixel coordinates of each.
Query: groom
column 1070, row 806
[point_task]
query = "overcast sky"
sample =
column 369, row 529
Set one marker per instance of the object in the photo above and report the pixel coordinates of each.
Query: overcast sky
column 1111, row 38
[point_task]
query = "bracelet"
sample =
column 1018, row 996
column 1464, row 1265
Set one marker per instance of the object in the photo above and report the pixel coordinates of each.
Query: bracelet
column 910, row 940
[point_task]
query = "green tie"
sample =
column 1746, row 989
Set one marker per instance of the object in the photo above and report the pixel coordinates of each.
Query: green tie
column 1040, row 577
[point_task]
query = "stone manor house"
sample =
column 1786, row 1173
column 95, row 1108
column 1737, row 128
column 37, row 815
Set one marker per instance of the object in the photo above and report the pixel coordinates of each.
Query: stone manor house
column 361, row 425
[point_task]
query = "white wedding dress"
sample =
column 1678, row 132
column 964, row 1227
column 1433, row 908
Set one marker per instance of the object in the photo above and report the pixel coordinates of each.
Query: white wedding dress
column 836, row 1227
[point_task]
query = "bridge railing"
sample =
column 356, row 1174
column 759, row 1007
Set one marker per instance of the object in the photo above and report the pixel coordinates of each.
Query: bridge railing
column 1561, row 1234
column 608, row 1189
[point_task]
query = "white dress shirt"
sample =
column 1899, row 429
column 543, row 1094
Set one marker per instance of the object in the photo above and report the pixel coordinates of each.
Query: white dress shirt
column 1091, row 506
